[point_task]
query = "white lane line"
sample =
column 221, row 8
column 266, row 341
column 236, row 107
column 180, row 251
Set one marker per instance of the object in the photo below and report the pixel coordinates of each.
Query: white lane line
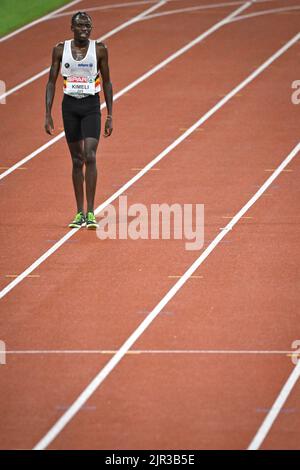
column 271, row 1
column 167, row 150
column 219, row 5
column 113, row 362
column 31, row 155
column 201, row 7
column 39, row 20
column 24, row 83
column 119, row 28
column 265, row 12
column 190, row 9
column 56, row 13
column 120, row 5
column 108, row 7
column 136, row 82
column 153, row 351
column 276, row 408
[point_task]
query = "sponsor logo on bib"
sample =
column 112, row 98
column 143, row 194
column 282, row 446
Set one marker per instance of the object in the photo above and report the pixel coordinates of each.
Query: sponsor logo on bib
column 79, row 79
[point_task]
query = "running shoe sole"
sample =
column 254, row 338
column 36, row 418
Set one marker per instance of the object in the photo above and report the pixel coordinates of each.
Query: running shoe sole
column 74, row 225
column 92, row 226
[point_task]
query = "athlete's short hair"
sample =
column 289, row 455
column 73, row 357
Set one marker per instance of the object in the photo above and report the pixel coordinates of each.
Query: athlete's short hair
column 80, row 14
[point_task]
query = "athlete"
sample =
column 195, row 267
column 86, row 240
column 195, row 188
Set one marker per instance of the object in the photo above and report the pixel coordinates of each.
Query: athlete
column 81, row 60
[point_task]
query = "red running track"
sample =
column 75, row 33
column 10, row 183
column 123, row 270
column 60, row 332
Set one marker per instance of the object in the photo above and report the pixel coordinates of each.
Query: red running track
column 92, row 294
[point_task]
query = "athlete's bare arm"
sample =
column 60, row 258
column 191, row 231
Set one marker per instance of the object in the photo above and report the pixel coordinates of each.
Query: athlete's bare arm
column 102, row 57
column 50, row 89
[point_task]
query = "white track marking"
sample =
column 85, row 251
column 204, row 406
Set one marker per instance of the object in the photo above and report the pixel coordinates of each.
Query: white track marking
column 219, row 5
column 107, row 7
column 102, row 38
column 276, row 408
column 129, row 4
column 39, row 20
column 167, row 150
column 265, row 12
column 58, row 427
column 31, row 155
column 25, row 83
column 265, row 1
column 56, row 14
column 190, row 9
column 202, row 7
column 153, row 351
column 136, row 82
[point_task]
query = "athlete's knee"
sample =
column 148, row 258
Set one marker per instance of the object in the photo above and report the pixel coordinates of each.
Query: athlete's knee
column 90, row 157
column 78, row 161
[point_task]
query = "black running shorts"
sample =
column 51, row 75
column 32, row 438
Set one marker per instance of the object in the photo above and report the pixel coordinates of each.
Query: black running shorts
column 81, row 117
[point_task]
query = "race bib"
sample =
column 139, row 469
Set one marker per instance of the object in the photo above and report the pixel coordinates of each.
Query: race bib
column 80, row 85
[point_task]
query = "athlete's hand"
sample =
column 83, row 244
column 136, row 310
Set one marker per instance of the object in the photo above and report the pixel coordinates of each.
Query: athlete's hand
column 108, row 127
column 49, row 127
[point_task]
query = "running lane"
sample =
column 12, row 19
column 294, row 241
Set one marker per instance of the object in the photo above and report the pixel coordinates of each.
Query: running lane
column 80, row 303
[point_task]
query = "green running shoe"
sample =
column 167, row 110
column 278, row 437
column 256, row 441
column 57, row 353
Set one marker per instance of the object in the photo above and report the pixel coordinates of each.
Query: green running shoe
column 78, row 221
column 91, row 222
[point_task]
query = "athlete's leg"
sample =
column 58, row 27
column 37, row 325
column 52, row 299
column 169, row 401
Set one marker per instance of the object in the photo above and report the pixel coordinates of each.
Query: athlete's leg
column 77, row 154
column 90, row 128
column 72, row 125
column 90, row 149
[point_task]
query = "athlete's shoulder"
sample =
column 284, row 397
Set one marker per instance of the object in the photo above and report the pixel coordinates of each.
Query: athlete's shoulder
column 101, row 47
column 59, row 46
column 58, row 50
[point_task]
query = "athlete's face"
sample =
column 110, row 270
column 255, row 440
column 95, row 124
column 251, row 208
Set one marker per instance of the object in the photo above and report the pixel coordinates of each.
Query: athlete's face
column 82, row 28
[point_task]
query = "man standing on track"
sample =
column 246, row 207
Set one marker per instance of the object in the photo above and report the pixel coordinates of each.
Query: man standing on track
column 81, row 59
